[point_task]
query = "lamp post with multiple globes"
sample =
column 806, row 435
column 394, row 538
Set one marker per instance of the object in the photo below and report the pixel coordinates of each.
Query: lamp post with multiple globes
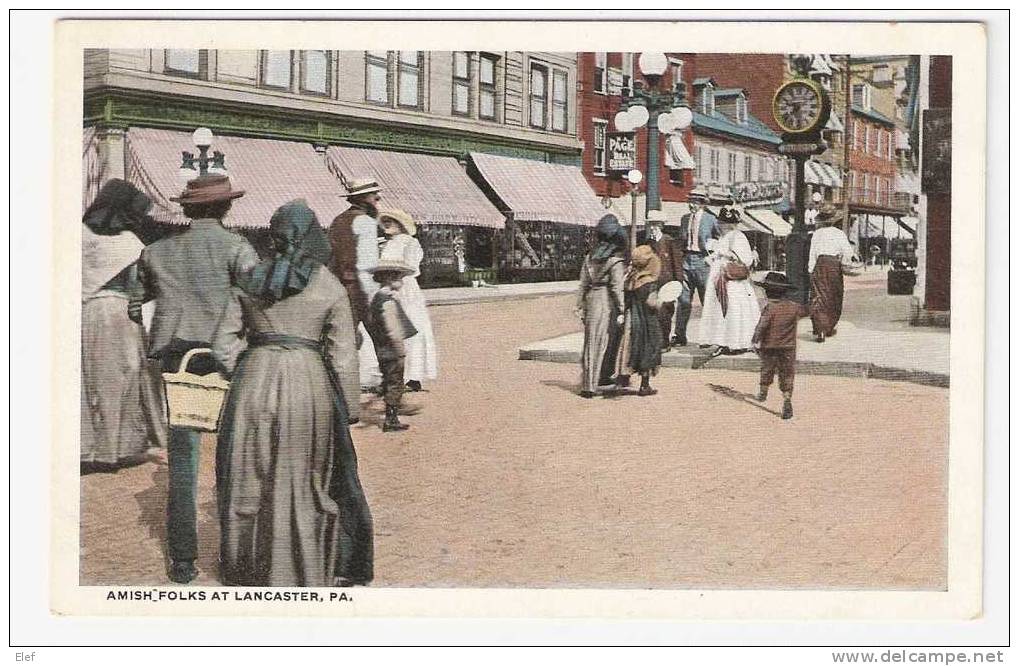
column 203, row 164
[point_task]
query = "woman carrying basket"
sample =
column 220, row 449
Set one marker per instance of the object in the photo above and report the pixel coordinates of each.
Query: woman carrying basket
column 292, row 511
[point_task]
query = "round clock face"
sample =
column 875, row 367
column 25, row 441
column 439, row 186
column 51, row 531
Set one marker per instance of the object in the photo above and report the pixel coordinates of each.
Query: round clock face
column 798, row 106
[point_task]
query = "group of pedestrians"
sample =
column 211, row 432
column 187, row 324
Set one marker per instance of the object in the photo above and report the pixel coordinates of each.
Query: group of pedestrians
column 627, row 323
column 287, row 329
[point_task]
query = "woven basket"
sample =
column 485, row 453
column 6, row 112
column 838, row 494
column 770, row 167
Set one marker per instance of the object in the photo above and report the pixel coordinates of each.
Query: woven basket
column 194, row 401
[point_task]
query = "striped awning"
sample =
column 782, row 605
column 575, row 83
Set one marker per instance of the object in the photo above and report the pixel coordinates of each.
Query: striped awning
column 674, row 210
column 777, row 226
column 539, row 191
column 270, row 172
column 820, row 173
column 434, row 190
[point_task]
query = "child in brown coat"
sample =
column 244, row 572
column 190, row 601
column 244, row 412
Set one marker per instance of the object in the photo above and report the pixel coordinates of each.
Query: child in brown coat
column 775, row 339
column 388, row 326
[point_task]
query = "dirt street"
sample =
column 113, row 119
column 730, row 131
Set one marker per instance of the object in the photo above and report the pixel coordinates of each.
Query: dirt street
column 508, row 478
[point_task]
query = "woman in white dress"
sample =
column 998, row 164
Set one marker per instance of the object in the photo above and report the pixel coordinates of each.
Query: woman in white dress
column 422, row 358
column 731, row 310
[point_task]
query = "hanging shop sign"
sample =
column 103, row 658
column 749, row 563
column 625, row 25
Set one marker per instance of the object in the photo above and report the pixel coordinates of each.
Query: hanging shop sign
column 622, row 151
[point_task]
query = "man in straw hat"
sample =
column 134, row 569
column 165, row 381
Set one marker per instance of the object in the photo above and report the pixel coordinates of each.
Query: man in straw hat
column 389, row 326
column 670, row 254
column 775, row 339
column 190, row 276
column 697, row 230
column 353, row 236
column 829, row 250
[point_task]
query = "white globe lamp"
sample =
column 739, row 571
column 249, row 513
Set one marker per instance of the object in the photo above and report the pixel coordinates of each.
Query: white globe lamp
column 653, row 64
column 683, row 117
column 634, row 176
column 639, row 115
column 202, row 137
column 623, row 122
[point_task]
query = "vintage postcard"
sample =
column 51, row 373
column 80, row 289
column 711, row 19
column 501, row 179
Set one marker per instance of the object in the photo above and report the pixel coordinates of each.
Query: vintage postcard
column 533, row 319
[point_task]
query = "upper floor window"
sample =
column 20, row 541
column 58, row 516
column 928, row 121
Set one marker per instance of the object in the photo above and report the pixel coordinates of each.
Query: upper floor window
column 276, row 69
column 699, row 163
column 866, row 139
column 539, row 95
column 676, row 71
column 600, row 71
column 377, row 76
column 715, row 171
column 486, row 94
column 879, row 142
column 560, row 82
column 315, row 72
column 409, row 78
column 861, row 96
column 748, row 168
column 708, row 100
column 741, row 110
column 627, row 70
column 732, row 167
column 461, row 83
column 882, row 74
column 600, row 127
column 186, row 62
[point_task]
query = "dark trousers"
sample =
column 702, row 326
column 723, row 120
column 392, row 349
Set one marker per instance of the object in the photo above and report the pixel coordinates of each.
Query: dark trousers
column 784, row 362
column 392, row 380
column 695, row 271
column 181, row 510
column 665, row 313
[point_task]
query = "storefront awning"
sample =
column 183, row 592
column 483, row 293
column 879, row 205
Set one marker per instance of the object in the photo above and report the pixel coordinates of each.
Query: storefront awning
column 674, row 210
column 820, row 173
column 91, row 168
column 540, row 192
column 676, row 154
column 433, row 189
column 777, row 226
column 270, row 172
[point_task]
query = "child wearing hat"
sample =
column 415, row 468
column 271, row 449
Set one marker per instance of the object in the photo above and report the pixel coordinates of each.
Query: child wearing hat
column 388, row 326
column 775, row 339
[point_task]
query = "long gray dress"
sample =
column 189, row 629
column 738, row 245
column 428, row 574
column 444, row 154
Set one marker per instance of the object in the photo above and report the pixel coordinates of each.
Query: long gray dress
column 281, row 453
column 600, row 299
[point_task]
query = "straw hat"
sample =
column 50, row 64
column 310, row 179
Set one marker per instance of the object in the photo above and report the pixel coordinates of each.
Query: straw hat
column 392, row 266
column 698, row 195
column 656, row 216
column 400, row 217
column 361, row 186
column 208, row 189
column 774, row 280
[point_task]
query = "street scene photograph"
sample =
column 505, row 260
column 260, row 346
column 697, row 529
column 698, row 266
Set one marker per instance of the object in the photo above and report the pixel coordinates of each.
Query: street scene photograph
column 515, row 319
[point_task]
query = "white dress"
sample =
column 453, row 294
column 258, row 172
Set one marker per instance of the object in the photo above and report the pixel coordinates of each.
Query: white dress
column 422, row 357
column 736, row 329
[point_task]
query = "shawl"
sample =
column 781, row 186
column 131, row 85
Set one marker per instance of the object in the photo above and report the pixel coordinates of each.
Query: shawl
column 645, row 266
column 118, row 207
column 104, row 257
column 611, row 238
column 300, row 247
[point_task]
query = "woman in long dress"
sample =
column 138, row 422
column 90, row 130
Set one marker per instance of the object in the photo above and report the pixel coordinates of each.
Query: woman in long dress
column 401, row 245
column 731, row 310
column 122, row 407
column 292, row 510
column 641, row 352
column 829, row 251
column 600, row 304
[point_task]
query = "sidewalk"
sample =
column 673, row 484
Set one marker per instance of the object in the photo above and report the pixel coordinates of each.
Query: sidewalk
column 874, row 341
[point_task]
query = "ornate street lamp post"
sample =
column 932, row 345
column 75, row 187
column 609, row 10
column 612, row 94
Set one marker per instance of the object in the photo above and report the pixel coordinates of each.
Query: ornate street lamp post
column 661, row 110
column 203, row 141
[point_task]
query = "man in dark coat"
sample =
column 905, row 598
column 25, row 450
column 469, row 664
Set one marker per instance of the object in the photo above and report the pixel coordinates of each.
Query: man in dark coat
column 670, row 254
column 353, row 236
column 190, row 276
column 696, row 229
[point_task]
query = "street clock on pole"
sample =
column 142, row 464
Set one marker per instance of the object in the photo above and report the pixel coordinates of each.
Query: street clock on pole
column 801, row 107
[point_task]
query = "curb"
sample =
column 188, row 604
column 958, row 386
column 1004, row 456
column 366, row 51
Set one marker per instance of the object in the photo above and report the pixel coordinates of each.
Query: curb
column 855, row 369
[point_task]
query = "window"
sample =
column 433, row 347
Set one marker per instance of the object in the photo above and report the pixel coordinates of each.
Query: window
column 276, row 69
column 708, row 100
column 185, row 62
column 878, row 141
column 699, row 163
column 377, row 77
column 882, row 74
column 877, row 190
column 866, row 139
column 732, row 167
column 539, row 95
column 315, row 72
column 559, row 85
column 486, row 101
column 741, row 110
column 748, row 169
column 461, row 83
column 676, row 70
column 861, row 96
column 600, row 71
column 627, row 70
column 889, row 146
column 409, row 79
column 715, row 175
column 866, row 186
column 599, row 146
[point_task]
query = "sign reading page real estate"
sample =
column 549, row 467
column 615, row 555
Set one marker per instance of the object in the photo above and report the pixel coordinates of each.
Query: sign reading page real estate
column 622, row 151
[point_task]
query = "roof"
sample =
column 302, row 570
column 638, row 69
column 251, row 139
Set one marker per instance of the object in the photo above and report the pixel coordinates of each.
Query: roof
column 754, row 129
column 704, row 80
column 730, row 92
column 873, row 115
column 433, row 189
column 270, row 172
column 540, row 192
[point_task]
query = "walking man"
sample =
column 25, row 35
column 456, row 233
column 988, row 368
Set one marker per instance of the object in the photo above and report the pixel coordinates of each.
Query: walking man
column 190, row 276
column 697, row 228
column 670, row 254
column 353, row 236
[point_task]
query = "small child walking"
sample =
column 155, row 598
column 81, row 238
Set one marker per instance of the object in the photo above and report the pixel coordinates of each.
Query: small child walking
column 775, row 339
column 389, row 326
